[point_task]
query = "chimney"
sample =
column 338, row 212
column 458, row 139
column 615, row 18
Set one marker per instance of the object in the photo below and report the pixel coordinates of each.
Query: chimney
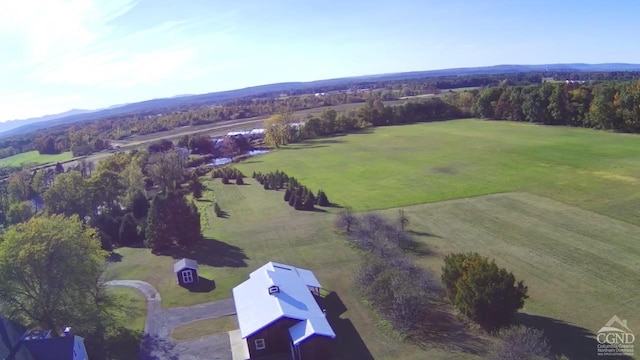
column 274, row 290
column 66, row 331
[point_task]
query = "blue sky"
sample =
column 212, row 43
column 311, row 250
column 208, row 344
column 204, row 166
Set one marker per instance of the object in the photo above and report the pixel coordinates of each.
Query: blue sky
column 61, row 54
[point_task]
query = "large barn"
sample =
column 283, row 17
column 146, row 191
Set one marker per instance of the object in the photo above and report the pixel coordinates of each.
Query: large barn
column 278, row 313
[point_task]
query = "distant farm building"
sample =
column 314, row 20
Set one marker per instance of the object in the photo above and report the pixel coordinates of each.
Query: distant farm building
column 278, row 313
column 186, row 271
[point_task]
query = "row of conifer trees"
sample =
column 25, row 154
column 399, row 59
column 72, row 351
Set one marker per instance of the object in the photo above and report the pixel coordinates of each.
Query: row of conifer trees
column 297, row 195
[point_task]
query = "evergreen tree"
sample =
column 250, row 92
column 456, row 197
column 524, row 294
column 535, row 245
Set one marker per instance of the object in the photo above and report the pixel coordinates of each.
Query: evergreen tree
column 191, row 230
column 239, row 180
column 196, row 186
column 322, row 199
column 225, row 179
column 140, row 205
column 292, row 198
column 128, row 233
column 217, row 209
column 287, row 194
column 158, row 234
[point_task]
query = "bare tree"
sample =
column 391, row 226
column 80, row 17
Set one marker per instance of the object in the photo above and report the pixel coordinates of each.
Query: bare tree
column 403, row 220
column 346, row 220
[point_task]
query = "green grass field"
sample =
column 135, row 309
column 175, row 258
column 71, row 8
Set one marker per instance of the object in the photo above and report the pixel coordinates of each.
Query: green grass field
column 581, row 266
column 34, row 158
column 424, row 163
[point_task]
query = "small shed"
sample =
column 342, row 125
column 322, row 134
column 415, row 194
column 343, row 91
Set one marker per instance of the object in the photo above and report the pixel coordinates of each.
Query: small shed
column 187, row 271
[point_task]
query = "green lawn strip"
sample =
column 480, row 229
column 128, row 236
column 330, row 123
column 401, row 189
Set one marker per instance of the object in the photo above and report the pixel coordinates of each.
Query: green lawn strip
column 205, row 327
column 34, row 158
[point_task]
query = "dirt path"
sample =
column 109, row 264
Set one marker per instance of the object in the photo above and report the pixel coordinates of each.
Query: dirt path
column 157, row 343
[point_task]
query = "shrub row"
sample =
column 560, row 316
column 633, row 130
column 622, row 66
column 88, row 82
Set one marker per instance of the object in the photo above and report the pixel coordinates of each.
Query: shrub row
column 297, row 195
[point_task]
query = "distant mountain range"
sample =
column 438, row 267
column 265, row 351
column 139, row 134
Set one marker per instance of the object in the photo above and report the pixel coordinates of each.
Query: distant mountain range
column 174, row 103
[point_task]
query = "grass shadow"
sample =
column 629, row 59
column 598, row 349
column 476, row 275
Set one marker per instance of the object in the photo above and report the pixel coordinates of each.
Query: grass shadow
column 442, row 329
column 417, row 247
column 204, row 200
column 155, row 348
column 223, row 214
column 203, row 285
column 423, row 233
column 570, row 340
column 114, row 257
column 211, row 252
column 120, row 343
column 348, row 343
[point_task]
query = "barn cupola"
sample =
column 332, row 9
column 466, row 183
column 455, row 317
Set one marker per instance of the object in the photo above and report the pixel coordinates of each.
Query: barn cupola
column 274, row 289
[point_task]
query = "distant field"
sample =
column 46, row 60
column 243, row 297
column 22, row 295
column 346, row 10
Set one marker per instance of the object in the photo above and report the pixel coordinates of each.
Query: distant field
column 414, row 164
column 34, row 158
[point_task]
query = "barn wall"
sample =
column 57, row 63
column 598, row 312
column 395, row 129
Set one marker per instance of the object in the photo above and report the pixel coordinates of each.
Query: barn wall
column 316, row 348
column 276, row 337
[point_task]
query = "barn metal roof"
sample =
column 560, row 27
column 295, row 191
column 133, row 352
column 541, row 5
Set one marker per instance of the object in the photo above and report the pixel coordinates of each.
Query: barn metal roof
column 185, row 264
column 256, row 308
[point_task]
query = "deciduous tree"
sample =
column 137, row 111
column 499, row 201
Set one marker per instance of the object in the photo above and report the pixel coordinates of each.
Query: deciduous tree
column 51, row 269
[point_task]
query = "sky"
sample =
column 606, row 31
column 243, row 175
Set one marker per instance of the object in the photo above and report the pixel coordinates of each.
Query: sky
column 56, row 55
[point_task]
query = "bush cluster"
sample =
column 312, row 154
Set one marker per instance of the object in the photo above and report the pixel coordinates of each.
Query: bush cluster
column 228, row 173
column 296, row 195
column 400, row 290
column 482, row 291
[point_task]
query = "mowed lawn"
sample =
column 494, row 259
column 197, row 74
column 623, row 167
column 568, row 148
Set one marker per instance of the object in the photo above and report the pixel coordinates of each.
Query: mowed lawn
column 581, row 268
column 34, row 158
column 413, row 164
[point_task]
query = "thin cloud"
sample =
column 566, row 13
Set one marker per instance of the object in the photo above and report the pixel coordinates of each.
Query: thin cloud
column 78, row 42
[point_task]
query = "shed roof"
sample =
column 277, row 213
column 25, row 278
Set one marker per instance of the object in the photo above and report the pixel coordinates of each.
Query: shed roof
column 185, row 264
column 256, row 308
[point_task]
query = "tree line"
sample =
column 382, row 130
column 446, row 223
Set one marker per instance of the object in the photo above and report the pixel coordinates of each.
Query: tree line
column 612, row 105
column 90, row 136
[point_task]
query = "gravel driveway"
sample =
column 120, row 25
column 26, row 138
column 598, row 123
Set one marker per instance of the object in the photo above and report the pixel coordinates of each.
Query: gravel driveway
column 157, row 343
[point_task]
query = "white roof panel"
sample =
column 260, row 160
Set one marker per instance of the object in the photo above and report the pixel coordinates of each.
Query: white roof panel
column 256, row 308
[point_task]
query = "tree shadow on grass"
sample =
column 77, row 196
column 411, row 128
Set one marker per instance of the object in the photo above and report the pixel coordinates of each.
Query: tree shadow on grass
column 423, row 233
column 204, row 200
column 223, row 215
column 203, row 285
column 570, row 340
column 114, row 257
column 348, row 343
column 416, row 247
column 211, row 252
column 120, row 344
column 155, row 348
column 442, row 329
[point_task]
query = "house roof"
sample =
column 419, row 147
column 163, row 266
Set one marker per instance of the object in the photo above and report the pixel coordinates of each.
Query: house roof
column 185, row 264
column 313, row 326
column 256, row 308
column 10, row 335
column 52, row 348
